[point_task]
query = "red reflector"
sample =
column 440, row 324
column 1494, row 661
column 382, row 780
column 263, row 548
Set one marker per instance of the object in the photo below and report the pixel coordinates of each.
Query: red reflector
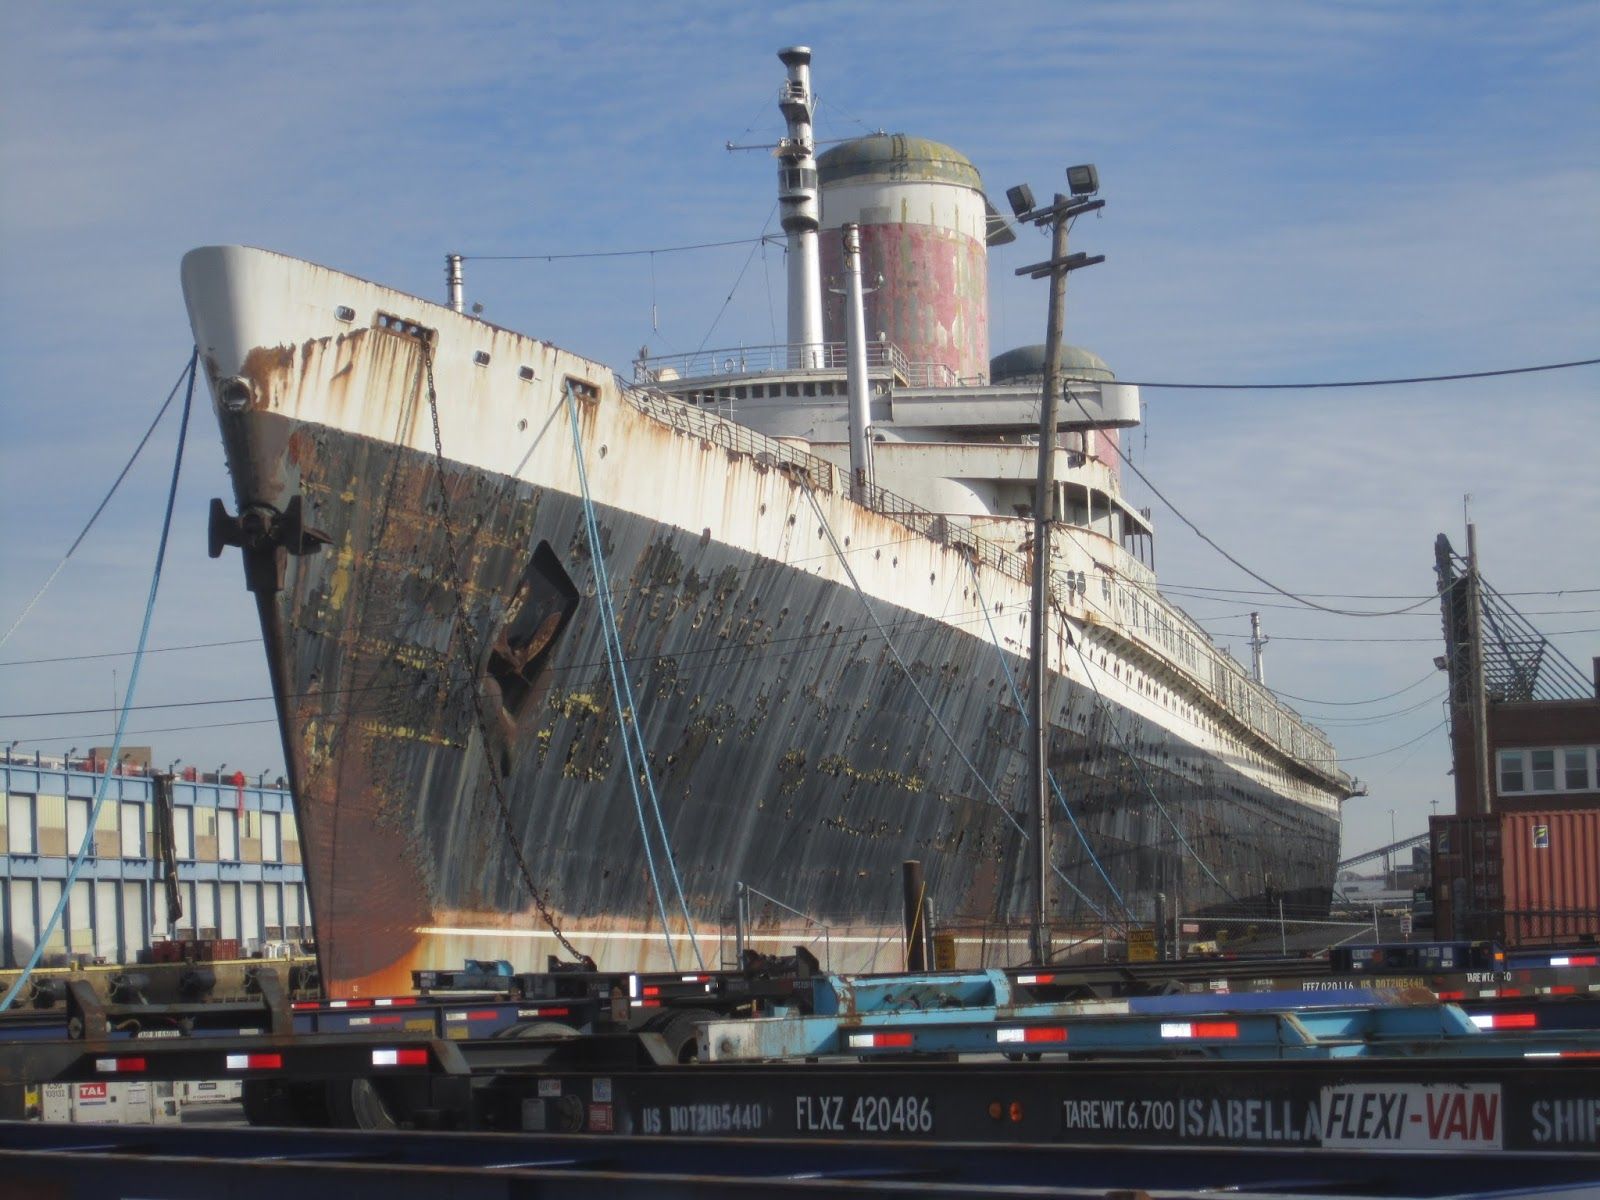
column 119, row 1065
column 302, row 1005
column 404, row 1000
column 412, row 1058
column 1451, row 995
column 1510, row 991
column 358, row 1004
column 652, row 991
column 1036, row 1034
column 1584, row 960
column 1525, row 1020
column 554, row 1012
column 1563, row 989
column 482, row 1014
column 254, row 1062
column 1216, row 1029
column 387, row 1020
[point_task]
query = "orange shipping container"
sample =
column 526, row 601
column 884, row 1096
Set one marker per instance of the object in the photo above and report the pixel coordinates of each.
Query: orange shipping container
column 1519, row 878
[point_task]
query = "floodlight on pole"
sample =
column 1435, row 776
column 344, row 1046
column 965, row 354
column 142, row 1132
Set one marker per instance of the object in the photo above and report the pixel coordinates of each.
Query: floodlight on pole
column 1021, row 199
column 1083, row 180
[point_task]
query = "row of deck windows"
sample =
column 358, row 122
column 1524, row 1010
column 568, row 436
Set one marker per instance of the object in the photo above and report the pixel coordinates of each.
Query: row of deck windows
column 765, row 391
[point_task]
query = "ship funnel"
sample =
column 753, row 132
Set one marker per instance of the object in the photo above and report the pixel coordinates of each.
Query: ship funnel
column 800, row 209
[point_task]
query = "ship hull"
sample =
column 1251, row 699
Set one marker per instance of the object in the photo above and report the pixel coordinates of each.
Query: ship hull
column 788, row 749
column 821, row 691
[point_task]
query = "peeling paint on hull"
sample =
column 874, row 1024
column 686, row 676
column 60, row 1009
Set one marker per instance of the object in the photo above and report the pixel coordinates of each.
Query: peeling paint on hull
column 789, row 749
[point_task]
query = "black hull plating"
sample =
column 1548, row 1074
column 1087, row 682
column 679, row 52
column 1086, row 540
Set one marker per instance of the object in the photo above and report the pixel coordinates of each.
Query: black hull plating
column 788, row 748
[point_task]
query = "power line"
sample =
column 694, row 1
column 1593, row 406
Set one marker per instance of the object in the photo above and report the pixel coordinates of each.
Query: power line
column 1284, row 637
column 76, row 737
column 61, row 658
column 1245, row 605
column 765, row 237
column 783, row 645
column 95, row 516
column 1345, row 383
column 1201, row 587
column 1380, row 753
column 1259, row 578
column 1373, row 700
column 1350, row 722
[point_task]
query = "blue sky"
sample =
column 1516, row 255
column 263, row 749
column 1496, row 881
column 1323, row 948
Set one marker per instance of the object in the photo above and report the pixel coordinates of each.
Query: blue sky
column 1294, row 192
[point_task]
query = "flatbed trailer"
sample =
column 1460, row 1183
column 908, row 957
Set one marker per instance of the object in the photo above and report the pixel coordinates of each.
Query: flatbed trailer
column 200, row 1164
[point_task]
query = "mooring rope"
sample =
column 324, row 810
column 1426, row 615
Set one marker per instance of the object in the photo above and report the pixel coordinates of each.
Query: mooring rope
column 627, row 706
column 1016, row 694
column 928, row 704
column 104, row 788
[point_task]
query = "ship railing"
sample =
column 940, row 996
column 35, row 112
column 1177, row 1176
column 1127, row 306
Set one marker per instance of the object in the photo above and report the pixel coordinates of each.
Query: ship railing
column 1139, row 609
column 936, row 374
column 824, row 476
column 1155, row 621
column 779, row 358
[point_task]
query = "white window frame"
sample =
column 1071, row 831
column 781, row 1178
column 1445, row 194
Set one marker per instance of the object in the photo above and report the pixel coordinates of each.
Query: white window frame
column 131, row 810
column 183, row 832
column 227, row 835
column 1524, row 757
column 78, row 807
column 22, row 813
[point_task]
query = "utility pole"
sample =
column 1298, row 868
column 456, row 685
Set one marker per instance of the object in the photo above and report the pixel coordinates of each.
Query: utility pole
column 1480, row 691
column 1083, row 181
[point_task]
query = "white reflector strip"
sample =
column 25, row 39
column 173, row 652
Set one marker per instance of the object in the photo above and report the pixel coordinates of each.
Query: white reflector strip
column 633, row 985
column 385, row 1058
column 238, row 1062
column 1008, row 1035
column 861, row 1041
column 1176, row 1029
column 1483, row 1020
column 105, row 1064
column 455, row 1016
column 1560, row 962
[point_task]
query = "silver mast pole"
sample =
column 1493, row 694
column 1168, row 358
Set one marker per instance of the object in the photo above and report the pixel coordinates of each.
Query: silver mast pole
column 856, row 376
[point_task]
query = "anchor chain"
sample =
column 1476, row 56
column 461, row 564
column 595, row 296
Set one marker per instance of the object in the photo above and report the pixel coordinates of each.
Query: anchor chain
column 471, row 652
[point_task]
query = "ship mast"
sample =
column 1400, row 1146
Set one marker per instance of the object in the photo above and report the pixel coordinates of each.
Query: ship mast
column 801, row 210
column 856, row 373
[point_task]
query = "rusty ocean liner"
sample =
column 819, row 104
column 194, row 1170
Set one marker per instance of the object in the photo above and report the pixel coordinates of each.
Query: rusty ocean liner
column 549, row 641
